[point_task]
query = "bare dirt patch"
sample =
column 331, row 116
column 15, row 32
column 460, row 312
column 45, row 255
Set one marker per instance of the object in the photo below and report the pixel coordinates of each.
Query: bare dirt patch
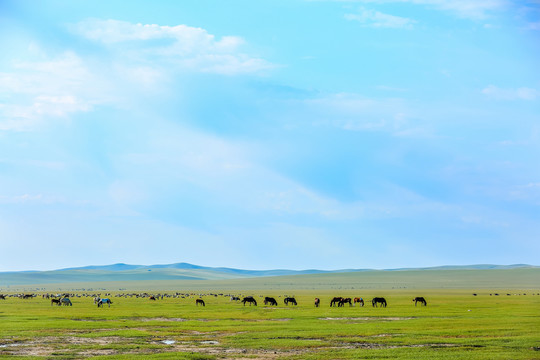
column 368, row 318
column 367, row 345
column 49, row 345
column 161, row 319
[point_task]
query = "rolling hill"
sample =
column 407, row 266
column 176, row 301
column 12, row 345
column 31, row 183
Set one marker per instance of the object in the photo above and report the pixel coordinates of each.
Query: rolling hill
column 125, row 273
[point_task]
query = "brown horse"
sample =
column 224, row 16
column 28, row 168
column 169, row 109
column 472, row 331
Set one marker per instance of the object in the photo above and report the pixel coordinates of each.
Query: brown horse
column 317, row 302
column 250, row 300
column 336, row 301
column 199, row 302
column 152, row 298
column 359, row 300
column 378, row 300
column 270, row 301
column 345, row 301
column 55, row 302
column 290, row 300
column 419, row 299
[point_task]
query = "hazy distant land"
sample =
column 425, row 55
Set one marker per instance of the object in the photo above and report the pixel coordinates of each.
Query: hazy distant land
column 188, row 276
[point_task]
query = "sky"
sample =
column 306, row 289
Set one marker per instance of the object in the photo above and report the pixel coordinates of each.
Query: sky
column 269, row 134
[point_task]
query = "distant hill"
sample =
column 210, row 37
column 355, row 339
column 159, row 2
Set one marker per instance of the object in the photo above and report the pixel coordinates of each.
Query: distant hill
column 184, row 271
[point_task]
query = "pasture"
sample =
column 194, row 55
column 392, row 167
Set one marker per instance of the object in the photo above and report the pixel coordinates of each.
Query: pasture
column 454, row 325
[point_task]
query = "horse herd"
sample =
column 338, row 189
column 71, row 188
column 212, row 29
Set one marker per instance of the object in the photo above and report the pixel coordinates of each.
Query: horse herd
column 269, row 301
column 336, row 301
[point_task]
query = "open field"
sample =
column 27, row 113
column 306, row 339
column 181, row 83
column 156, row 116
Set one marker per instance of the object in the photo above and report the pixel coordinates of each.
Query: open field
column 454, row 325
column 518, row 278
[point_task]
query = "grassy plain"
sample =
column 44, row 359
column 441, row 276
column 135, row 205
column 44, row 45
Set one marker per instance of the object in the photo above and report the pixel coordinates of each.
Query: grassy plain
column 454, row 325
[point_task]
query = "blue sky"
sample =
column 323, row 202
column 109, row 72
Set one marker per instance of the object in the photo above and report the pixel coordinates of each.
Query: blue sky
column 269, row 134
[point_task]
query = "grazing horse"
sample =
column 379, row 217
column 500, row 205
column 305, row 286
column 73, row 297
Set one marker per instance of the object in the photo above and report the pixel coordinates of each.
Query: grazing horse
column 55, row 301
column 235, row 298
column 152, row 298
column 317, row 302
column 102, row 302
column 270, row 301
column 336, row 301
column 290, row 300
column 378, row 300
column 199, row 302
column 250, row 300
column 345, row 301
column 419, row 299
column 65, row 301
column 2, row 297
column 359, row 300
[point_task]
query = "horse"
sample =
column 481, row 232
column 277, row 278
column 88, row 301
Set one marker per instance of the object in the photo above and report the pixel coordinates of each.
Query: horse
column 419, row 299
column 317, row 302
column 290, row 300
column 378, row 300
column 152, row 298
column 102, row 302
column 270, row 301
column 235, row 298
column 55, row 301
column 199, row 302
column 344, row 301
column 250, row 300
column 2, row 297
column 359, row 300
column 65, row 301
column 335, row 301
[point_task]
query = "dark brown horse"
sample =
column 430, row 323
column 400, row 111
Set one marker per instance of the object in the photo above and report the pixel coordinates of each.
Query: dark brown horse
column 317, row 302
column 55, row 302
column 270, row 301
column 378, row 300
column 152, row 298
column 359, row 300
column 345, row 301
column 419, row 299
column 199, row 302
column 335, row 301
column 250, row 300
column 290, row 300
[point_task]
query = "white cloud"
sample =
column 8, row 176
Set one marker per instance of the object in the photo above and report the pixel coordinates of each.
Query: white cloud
column 471, row 9
column 228, row 172
column 58, row 87
column 522, row 93
column 26, row 117
column 30, row 199
column 377, row 19
column 474, row 9
column 188, row 47
column 62, row 74
column 354, row 112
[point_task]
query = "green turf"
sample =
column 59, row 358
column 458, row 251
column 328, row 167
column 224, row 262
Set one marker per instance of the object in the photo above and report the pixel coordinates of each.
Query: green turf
column 454, row 325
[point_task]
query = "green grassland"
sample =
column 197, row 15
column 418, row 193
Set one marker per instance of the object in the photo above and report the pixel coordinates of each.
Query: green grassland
column 518, row 278
column 455, row 324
